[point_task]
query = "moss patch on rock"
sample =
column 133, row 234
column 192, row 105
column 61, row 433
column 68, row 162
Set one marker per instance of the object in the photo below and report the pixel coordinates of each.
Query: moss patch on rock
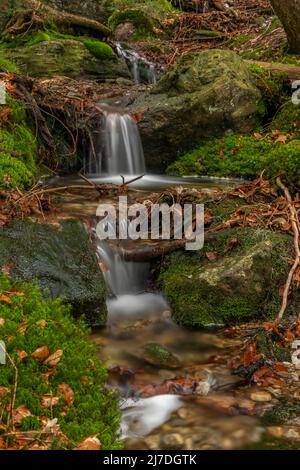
column 63, row 262
column 28, row 322
column 72, row 57
column 18, row 148
column 237, row 286
column 206, row 94
column 242, row 156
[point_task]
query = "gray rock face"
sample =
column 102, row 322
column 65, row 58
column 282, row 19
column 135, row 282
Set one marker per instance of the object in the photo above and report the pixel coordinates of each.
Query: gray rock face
column 61, row 260
column 206, row 94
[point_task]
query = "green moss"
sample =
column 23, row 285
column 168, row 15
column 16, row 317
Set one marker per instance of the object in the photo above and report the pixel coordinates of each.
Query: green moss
column 8, row 65
column 99, row 49
column 17, row 168
column 275, row 90
column 143, row 23
column 242, row 156
column 95, row 410
column 283, row 412
column 288, row 119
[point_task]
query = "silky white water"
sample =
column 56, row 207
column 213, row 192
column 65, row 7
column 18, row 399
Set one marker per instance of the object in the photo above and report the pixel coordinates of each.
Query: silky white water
column 117, row 148
column 142, row 70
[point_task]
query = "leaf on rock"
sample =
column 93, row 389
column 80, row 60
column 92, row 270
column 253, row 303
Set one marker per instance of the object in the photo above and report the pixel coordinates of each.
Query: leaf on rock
column 41, row 353
column 67, row 393
column 54, row 359
column 48, row 400
column 20, row 413
column 90, row 443
column 5, row 298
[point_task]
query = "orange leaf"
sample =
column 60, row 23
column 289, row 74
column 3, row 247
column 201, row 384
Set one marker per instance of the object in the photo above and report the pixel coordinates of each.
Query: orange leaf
column 281, row 138
column 67, row 393
column 90, row 443
column 54, row 359
column 4, row 298
column 41, row 353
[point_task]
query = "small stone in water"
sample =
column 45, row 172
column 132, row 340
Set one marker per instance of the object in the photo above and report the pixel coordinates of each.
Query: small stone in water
column 152, row 442
column 261, row 396
column 172, row 441
column 157, row 355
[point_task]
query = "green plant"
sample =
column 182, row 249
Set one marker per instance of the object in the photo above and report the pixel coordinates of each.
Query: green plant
column 242, row 156
column 29, row 322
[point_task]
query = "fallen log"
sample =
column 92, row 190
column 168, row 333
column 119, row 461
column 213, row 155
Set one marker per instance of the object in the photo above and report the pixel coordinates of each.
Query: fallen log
column 35, row 12
column 292, row 71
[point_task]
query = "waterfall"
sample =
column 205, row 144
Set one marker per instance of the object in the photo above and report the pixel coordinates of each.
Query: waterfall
column 142, row 70
column 117, row 148
column 126, row 282
column 122, row 277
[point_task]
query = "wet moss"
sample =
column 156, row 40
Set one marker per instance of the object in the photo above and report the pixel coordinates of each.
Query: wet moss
column 94, row 411
column 242, row 156
column 143, row 23
column 18, row 164
column 235, row 287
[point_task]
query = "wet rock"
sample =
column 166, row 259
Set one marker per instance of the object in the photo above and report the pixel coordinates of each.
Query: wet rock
column 65, row 57
column 172, row 442
column 61, row 259
column 157, row 355
column 261, row 396
column 152, row 442
column 206, row 94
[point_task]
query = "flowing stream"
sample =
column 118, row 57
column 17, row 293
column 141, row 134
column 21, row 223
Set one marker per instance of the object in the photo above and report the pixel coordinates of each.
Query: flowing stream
column 142, row 70
column 191, row 400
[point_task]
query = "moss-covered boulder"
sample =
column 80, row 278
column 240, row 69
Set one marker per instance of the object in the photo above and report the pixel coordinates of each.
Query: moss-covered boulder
column 61, row 259
column 67, row 57
column 275, row 152
column 236, row 285
column 206, row 94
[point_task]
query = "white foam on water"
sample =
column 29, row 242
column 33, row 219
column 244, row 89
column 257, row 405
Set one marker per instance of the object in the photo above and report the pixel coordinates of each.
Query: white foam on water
column 140, row 417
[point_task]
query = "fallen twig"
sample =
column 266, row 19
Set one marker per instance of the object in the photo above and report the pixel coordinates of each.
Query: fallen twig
column 295, row 226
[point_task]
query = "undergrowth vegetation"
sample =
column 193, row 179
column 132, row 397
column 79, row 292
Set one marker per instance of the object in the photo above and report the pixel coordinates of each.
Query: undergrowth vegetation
column 275, row 152
column 18, row 147
column 54, row 381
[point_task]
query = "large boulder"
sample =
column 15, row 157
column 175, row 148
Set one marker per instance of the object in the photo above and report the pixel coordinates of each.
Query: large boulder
column 61, row 259
column 66, row 57
column 206, row 94
column 240, row 284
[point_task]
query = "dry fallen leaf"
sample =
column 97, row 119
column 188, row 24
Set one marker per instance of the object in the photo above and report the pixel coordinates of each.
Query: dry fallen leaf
column 20, row 413
column 41, row 353
column 15, row 291
column 2, row 321
column 54, row 359
column 282, row 139
column 67, row 393
column 90, row 443
column 211, row 255
column 4, row 391
column 22, row 355
column 5, row 298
